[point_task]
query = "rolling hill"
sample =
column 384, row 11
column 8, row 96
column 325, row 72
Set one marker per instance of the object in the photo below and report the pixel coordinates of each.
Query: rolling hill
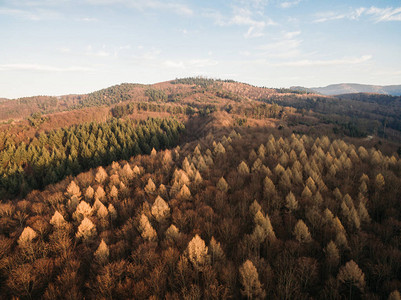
column 200, row 189
column 348, row 88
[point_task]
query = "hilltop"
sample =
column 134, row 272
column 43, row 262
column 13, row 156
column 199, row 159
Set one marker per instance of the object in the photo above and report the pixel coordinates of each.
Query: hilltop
column 350, row 88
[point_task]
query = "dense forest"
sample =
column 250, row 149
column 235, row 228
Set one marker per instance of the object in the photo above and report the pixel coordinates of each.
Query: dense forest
column 250, row 215
column 50, row 157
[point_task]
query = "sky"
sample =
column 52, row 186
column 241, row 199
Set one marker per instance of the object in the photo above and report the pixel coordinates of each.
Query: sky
column 57, row 47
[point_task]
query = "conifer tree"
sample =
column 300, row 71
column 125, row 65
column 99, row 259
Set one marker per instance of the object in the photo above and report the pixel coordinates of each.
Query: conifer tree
column 113, row 192
column 89, row 193
column 100, row 193
column 146, row 229
column 215, row 251
column 73, row 190
column 301, row 232
column 150, row 188
column 222, row 185
column 269, row 190
column 332, row 254
column 136, row 170
column 249, row 278
column 184, row 193
column 26, row 237
column 290, row 202
column 197, row 252
column 243, row 168
column 255, row 207
column 102, row 252
column 127, row 172
column 86, row 230
column 83, row 210
column 57, row 220
column 379, row 182
column 351, row 275
column 172, row 233
column 160, row 209
column 101, row 175
column 112, row 212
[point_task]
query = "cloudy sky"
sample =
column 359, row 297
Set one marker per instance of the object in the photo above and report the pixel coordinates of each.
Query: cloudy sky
column 56, row 47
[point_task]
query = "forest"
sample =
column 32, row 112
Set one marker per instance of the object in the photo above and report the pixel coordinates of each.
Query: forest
column 200, row 189
column 50, row 157
column 252, row 214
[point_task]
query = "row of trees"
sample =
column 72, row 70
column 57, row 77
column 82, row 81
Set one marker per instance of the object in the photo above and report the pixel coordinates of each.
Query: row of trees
column 247, row 215
column 50, row 157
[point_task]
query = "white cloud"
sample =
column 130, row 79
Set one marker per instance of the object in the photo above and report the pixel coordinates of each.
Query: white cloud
column 309, row 63
column 377, row 14
column 288, row 4
column 242, row 17
column 38, row 67
column 385, row 14
column 328, row 16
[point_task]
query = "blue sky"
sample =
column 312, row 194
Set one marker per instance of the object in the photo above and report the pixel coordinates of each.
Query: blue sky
column 55, row 47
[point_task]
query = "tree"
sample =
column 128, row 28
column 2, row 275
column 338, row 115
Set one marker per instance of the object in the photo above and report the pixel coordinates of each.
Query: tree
column 184, row 193
column 150, row 188
column 26, row 237
column 86, row 230
column 269, row 190
column 198, row 178
column 249, row 278
column 136, row 170
column 127, row 172
column 379, row 181
column 332, row 254
column 101, row 175
column 197, row 252
column 146, row 229
column 254, row 208
column 290, row 202
column 57, row 220
column 89, row 193
column 215, row 251
column 243, row 168
column 102, row 214
column 100, row 193
column 219, row 149
column 73, row 190
column 112, row 212
column 351, row 275
column 160, row 209
column 222, row 185
column 172, row 233
column 102, row 252
column 265, row 224
column 83, row 210
column 301, row 232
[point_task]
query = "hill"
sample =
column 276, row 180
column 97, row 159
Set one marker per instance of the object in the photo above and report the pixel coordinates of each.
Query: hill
column 348, row 88
column 200, row 189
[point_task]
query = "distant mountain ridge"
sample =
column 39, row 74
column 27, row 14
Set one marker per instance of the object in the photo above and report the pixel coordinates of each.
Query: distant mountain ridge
column 350, row 88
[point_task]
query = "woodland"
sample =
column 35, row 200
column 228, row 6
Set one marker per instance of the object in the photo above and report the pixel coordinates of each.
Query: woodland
column 200, row 189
